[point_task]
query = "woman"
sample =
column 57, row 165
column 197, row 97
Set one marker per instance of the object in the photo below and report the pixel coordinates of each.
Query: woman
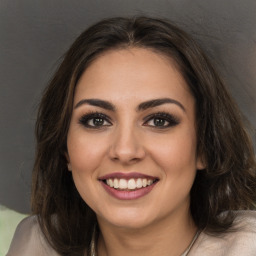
column 140, row 151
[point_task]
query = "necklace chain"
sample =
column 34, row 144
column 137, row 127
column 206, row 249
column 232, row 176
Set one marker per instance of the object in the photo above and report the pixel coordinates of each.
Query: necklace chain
column 94, row 253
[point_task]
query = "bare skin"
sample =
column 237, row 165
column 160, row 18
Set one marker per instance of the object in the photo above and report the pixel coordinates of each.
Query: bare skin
column 121, row 134
column 154, row 240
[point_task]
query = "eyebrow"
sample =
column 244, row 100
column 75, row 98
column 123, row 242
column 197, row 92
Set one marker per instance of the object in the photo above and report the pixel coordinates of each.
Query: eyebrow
column 142, row 106
column 157, row 102
column 96, row 102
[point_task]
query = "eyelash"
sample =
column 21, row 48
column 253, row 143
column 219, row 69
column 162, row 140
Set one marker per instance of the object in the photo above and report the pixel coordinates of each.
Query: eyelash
column 166, row 117
column 163, row 116
column 84, row 120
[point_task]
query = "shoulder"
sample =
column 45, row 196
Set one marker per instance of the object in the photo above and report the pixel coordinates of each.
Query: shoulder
column 242, row 241
column 246, row 218
column 29, row 240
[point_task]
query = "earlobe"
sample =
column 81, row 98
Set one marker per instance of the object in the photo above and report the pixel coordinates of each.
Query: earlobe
column 200, row 163
column 68, row 161
column 69, row 166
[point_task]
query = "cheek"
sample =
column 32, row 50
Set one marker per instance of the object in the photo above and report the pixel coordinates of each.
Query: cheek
column 176, row 152
column 85, row 152
column 85, row 155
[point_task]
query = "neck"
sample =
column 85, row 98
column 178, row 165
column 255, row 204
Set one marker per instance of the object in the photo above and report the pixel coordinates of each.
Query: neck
column 165, row 237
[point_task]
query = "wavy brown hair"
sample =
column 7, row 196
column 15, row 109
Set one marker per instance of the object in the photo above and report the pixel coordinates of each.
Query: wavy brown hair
column 229, row 181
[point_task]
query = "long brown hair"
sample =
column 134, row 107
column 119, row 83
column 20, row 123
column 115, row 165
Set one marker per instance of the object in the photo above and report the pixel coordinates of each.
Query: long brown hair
column 229, row 181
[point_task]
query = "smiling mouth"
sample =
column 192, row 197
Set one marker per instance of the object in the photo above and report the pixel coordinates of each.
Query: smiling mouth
column 129, row 184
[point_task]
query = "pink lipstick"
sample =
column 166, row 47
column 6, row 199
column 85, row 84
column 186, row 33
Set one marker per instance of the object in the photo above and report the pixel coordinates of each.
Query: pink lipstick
column 128, row 186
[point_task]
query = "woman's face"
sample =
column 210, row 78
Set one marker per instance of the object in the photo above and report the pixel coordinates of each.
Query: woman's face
column 132, row 139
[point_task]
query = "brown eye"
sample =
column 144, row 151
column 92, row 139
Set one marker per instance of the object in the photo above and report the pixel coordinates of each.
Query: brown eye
column 158, row 122
column 95, row 120
column 161, row 120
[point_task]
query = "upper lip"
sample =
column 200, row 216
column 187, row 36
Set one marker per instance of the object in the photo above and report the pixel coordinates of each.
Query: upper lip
column 126, row 175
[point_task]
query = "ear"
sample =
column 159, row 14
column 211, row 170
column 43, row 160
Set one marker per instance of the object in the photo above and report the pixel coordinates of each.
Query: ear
column 69, row 166
column 68, row 161
column 200, row 163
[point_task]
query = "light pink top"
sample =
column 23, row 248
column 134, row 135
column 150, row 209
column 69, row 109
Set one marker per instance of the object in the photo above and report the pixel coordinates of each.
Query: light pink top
column 28, row 240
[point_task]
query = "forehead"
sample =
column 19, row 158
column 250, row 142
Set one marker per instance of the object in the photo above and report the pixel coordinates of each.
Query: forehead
column 132, row 73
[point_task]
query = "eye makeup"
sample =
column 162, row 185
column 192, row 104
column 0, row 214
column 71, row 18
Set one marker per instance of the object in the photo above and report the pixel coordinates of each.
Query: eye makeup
column 159, row 120
column 95, row 120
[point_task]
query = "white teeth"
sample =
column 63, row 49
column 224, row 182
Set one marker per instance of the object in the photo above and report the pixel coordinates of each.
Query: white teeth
column 150, row 182
column 123, row 184
column 139, row 183
column 116, row 183
column 144, row 183
column 130, row 184
column 111, row 183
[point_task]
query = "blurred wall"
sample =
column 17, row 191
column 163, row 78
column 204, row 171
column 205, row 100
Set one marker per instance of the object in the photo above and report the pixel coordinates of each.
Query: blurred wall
column 35, row 33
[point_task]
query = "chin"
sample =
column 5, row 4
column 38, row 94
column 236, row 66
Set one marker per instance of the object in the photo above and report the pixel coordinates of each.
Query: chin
column 128, row 219
column 130, row 223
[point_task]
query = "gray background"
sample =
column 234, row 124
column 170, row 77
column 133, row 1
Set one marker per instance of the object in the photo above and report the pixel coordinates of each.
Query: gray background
column 35, row 33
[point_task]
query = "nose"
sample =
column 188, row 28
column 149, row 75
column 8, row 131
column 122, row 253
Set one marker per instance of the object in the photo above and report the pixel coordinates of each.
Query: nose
column 126, row 146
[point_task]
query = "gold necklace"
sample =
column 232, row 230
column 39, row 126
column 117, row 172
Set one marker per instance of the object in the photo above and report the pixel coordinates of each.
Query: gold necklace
column 94, row 253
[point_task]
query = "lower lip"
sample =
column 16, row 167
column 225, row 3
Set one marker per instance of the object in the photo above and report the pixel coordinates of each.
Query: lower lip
column 128, row 195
